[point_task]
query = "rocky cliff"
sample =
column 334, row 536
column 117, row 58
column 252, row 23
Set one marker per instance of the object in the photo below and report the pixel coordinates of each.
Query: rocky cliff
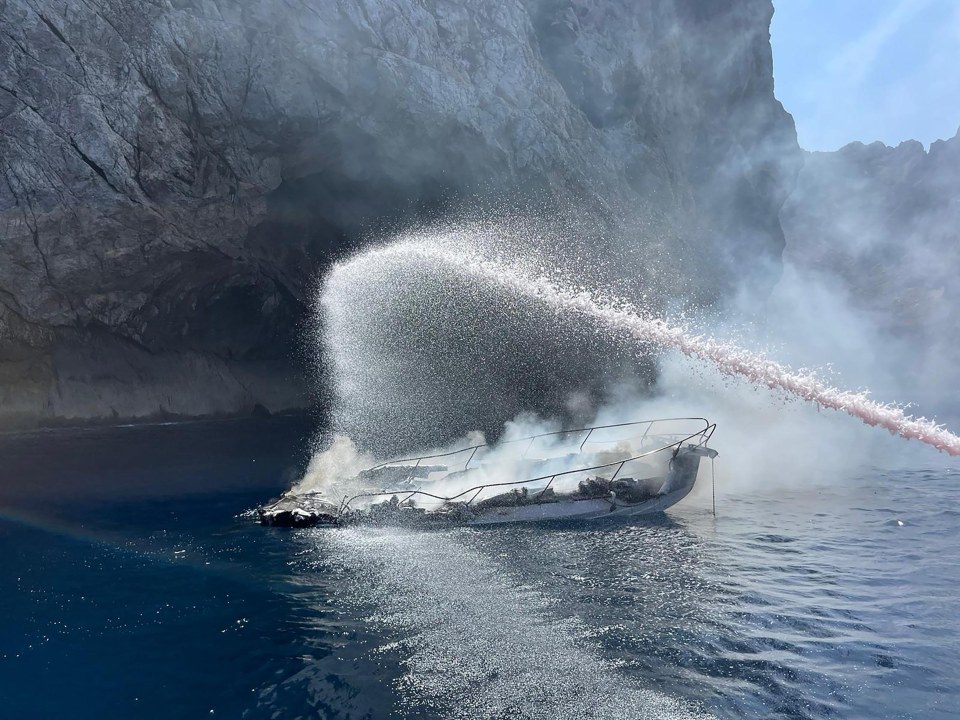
column 176, row 172
column 883, row 225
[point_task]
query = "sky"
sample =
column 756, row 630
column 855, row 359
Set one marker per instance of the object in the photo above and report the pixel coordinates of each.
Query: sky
column 868, row 70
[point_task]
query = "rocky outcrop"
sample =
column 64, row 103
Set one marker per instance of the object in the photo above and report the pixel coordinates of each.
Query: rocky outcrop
column 885, row 220
column 883, row 224
column 176, row 172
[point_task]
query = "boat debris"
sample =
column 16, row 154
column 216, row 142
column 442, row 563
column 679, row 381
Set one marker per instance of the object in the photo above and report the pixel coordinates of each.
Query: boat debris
column 464, row 487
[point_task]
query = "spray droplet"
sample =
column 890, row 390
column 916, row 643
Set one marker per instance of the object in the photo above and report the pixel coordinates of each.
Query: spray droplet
column 624, row 320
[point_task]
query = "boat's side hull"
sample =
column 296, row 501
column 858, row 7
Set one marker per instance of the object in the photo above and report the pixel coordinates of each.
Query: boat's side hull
column 678, row 484
column 313, row 509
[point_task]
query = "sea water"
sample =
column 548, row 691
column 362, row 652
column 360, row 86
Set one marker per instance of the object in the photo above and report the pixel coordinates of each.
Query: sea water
column 132, row 586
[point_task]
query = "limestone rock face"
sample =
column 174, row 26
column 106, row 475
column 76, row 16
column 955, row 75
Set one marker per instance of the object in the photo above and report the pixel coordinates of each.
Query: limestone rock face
column 177, row 172
column 884, row 219
column 883, row 223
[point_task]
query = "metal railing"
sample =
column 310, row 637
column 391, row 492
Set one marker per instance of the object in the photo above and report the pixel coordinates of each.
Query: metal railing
column 703, row 436
column 532, row 438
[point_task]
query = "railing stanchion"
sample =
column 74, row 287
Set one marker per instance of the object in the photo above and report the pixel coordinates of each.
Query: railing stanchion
column 618, row 471
column 479, row 490
column 589, row 433
column 649, row 428
column 529, row 445
column 547, row 487
column 470, row 459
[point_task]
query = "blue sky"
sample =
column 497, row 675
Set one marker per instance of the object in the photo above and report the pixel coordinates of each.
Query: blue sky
column 868, row 69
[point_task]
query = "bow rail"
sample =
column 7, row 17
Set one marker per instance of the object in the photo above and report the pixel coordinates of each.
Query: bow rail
column 530, row 440
column 702, row 437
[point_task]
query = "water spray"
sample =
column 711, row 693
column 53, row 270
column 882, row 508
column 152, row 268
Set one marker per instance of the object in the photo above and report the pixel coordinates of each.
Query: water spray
column 625, row 319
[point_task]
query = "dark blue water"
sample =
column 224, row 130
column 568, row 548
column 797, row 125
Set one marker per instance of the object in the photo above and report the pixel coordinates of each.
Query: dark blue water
column 130, row 588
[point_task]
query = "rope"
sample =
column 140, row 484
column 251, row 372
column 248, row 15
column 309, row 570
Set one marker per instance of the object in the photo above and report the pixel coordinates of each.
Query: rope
column 713, row 483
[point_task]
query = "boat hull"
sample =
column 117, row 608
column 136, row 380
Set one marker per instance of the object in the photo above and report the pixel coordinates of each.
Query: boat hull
column 309, row 510
column 679, row 483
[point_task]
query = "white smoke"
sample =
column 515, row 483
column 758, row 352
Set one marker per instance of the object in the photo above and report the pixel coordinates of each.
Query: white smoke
column 390, row 362
column 469, row 469
column 333, row 467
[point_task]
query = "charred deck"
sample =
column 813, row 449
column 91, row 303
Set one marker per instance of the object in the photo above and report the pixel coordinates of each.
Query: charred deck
column 584, row 492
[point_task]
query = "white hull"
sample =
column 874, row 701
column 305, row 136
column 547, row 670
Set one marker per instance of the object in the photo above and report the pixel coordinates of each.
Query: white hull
column 682, row 480
column 562, row 490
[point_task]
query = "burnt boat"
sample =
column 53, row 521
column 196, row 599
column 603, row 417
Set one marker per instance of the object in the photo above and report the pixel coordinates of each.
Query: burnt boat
column 633, row 468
